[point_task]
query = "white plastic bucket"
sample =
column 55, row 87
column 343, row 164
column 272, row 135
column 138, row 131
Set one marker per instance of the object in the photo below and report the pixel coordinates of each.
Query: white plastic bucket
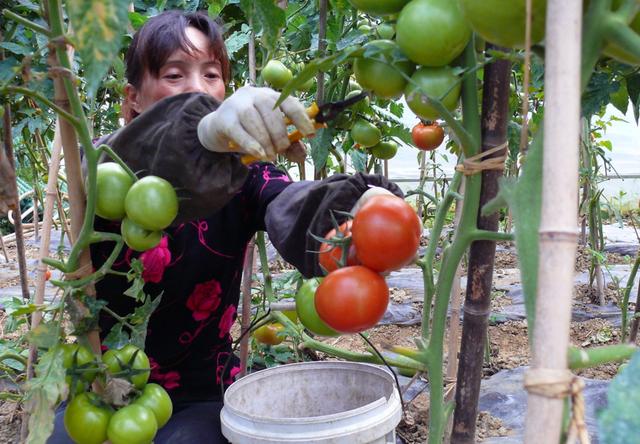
column 322, row 402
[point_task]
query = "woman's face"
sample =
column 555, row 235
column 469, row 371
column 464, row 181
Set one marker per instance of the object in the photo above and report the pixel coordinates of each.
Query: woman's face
column 197, row 71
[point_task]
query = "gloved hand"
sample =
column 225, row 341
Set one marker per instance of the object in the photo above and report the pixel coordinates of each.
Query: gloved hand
column 248, row 119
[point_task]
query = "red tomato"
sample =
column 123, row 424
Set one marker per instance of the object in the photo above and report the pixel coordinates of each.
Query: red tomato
column 386, row 233
column 427, row 137
column 330, row 255
column 352, row 299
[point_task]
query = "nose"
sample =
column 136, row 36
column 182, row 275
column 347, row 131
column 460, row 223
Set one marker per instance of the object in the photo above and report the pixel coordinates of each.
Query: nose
column 195, row 83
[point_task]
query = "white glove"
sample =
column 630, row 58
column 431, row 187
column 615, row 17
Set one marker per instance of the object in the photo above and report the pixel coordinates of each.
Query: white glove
column 372, row 191
column 249, row 119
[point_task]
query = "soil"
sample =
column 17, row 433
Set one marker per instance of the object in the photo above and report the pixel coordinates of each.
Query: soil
column 508, row 346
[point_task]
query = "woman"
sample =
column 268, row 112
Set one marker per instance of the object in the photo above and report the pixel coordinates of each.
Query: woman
column 178, row 127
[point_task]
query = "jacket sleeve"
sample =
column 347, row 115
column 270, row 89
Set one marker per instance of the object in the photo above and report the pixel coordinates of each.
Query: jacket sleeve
column 163, row 141
column 305, row 207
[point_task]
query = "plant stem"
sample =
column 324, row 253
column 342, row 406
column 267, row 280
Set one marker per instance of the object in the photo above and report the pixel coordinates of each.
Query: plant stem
column 625, row 299
column 592, row 357
column 26, row 22
column 40, row 98
column 264, row 264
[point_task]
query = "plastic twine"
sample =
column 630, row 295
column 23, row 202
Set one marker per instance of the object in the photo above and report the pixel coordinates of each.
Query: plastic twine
column 479, row 162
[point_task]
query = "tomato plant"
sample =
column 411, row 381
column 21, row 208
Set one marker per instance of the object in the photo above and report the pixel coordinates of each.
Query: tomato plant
column 112, row 187
column 330, row 255
column 427, row 137
column 379, row 7
column 86, row 419
column 276, row 74
column 137, row 237
column 503, row 23
column 131, row 360
column 306, row 309
column 156, row 399
column 365, row 133
column 352, row 299
column 378, row 71
column 434, row 82
column 132, row 424
column 386, row 233
column 432, row 32
column 385, row 149
column 268, row 333
column 151, row 203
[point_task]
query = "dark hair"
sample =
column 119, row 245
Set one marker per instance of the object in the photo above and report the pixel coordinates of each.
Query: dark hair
column 162, row 35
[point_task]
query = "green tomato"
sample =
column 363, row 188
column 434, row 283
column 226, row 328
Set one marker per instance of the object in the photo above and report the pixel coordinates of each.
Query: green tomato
column 503, row 22
column 152, row 203
column 156, row 399
column 362, row 106
column 112, row 187
column 133, row 424
column 138, row 238
column 86, row 420
column 385, row 31
column 276, row 74
column 386, row 79
column 129, row 358
column 385, row 150
column 78, row 358
column 432, row 32
column 379, row 7
column 306, row 309
column 434, row 82
column 365, row 133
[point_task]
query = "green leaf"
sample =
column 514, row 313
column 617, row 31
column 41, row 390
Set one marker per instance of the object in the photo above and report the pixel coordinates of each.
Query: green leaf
column 238, row 40
column 597, row 92
column 359, row 160
column 320, row 146
column 140, row 320
column 43, row 393
column 265, row 15
column 137, row 20
column 16, row 49
column 633, row 87
column 619, row 422
column 45, row 335
column 98, row 29
column 216, row 6
column 116, row 337
column 525, row 200
column 620, row 98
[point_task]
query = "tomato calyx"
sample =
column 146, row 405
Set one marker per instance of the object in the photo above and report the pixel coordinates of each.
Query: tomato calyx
column 336, row 249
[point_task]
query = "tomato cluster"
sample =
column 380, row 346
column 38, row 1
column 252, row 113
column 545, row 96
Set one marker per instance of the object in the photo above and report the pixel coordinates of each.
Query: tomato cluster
column 90, row 419
column 383, row 236
column 145, row 207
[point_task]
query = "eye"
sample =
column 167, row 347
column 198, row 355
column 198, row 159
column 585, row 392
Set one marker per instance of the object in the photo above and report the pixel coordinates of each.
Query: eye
column 212, row 75
column 172, row 76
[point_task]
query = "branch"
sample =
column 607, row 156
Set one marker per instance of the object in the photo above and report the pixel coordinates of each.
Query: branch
column 620, row 34
column 26, row 22
column 39, row 97
column 485, row 235
column 109, row 152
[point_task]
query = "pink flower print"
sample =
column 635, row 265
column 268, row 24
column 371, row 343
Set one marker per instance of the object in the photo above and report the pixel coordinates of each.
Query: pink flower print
column 204, row 299
column 221, row 362
column 226, row 321
column 169, row 380
column 155, row 261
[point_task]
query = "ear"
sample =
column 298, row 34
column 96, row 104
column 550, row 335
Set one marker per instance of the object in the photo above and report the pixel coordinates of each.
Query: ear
column 130, row 105
column 131, row 97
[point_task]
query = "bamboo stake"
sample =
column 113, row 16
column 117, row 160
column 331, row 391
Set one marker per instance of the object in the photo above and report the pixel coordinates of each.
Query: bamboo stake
column 247, row 274
column 4, row 249
column 477, row 305
column 44, row 243
column 559, row 221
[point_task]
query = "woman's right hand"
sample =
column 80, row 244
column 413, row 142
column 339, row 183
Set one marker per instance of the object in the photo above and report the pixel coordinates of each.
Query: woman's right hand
column 249, row 122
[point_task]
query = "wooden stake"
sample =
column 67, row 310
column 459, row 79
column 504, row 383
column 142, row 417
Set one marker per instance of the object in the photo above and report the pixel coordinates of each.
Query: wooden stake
column 559, row 221
column 477, row 305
